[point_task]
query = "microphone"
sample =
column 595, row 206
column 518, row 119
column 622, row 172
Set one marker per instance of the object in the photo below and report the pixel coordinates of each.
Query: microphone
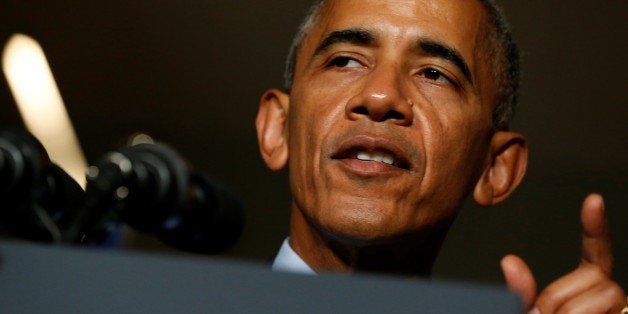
column 151, row 188
column 38, row 199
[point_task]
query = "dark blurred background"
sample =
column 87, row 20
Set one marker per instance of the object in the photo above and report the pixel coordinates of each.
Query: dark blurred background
column 190, row 73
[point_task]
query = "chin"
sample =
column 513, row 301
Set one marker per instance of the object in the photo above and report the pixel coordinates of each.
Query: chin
column 363, row 227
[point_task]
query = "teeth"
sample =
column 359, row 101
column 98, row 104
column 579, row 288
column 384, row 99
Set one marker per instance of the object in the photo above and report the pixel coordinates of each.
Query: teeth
column 376, row 156
column 388, row 160
column 364, row 156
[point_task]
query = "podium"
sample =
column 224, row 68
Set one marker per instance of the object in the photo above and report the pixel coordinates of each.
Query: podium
column 36, row 278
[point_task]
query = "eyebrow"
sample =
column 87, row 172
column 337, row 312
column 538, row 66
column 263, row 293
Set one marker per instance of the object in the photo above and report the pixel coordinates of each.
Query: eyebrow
column 352, row 36
column 428, row 46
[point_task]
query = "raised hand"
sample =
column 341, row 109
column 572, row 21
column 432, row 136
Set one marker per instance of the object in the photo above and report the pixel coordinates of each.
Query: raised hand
column 587, row 289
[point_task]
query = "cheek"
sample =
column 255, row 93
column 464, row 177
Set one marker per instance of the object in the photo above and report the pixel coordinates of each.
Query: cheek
column 314, row 117
column 456, row 143
column 310, row 122
column 301, row 144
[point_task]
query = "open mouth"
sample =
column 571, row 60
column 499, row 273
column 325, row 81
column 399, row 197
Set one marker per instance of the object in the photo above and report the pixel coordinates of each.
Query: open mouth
column 372, row 150
column 376, row 156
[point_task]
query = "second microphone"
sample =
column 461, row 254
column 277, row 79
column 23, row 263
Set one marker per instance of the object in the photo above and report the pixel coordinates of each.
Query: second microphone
column 153, row 189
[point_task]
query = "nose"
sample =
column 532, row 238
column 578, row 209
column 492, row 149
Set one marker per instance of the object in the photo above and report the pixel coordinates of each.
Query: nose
column 381, row 98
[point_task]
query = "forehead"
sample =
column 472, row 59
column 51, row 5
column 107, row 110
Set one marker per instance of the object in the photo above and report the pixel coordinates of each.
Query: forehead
column 457, row 23
column 440, row 16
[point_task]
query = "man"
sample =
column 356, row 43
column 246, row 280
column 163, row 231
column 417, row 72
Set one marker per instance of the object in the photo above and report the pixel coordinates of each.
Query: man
column 394, row 112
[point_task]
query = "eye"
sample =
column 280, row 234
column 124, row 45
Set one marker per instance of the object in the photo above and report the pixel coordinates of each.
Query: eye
column 436, row 76
column 344, row 62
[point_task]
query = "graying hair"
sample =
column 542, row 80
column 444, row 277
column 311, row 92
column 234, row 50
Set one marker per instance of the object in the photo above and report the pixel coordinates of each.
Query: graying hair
column 502, row 53
column 305, row 27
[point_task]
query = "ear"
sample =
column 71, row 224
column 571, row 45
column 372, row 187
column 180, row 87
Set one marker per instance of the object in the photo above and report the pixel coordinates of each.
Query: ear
column 505, row 168
column 272, row 131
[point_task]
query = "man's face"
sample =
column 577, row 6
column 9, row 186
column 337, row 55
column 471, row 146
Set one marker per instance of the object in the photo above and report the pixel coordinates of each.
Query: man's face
column 389, row 116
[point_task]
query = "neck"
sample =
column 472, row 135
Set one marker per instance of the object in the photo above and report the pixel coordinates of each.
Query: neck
column 411, row 255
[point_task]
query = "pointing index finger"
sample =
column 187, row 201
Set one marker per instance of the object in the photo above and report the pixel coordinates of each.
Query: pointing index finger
column 596, row 246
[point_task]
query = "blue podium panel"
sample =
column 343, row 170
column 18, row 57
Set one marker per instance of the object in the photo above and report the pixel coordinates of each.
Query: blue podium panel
column 52, row 279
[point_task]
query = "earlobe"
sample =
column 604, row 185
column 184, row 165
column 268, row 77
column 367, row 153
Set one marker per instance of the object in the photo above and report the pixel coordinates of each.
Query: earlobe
column 271, row 125
column 505, row 169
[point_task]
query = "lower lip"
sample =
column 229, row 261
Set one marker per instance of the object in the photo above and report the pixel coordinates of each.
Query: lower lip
column 368, row 168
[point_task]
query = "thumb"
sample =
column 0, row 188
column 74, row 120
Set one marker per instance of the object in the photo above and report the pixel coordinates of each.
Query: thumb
column 519, row 279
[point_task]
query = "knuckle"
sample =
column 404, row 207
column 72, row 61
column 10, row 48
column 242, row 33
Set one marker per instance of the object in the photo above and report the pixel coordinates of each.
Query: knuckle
column 615, row 295
column 551, row 293
column 570, row 308
column 547, row 300
column 594, row 271
column 603, row 268
column 613, row 291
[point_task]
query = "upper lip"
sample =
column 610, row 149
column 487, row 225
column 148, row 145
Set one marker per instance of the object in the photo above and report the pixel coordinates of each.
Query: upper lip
column 350, row 147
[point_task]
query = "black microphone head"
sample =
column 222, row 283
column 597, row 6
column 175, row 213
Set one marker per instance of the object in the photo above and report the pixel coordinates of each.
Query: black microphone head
column 39, row 199
column 140, row 184
column 24, row 161
column 152, row 188
column 159, row 186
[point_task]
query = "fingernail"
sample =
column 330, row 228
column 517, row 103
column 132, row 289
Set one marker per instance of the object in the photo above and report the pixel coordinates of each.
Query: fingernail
column 535, row 311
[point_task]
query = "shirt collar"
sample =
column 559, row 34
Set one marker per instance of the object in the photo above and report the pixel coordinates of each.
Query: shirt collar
column 288, row 260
